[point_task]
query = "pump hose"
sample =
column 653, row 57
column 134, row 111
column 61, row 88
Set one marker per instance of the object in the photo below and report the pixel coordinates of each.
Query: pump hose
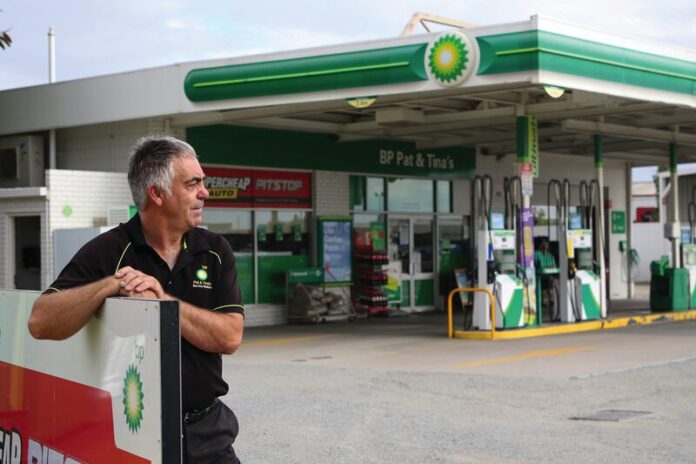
column 507, row 197
column 594, row 188
column 496, row 294
column 691, row 212
column 487, row 200
column 565, row 201
column 573, row 300
column 584, row 205
column 557, row 190
column 557, row 300
column 634, row 260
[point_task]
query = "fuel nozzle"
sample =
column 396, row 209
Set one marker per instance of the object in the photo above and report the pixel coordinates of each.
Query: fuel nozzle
column 572, row 268
column 493, row 270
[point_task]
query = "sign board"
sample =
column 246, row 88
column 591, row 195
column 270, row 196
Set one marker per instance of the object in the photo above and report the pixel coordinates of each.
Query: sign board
column 306, row 275
column 394, row 287
column 249, row 188
column 463, row 281
column 378, row 235
column 224, row 144
column 528, row 142
column 335, row 248
column 110, row 393
column 618, row 222
column 526, row 236
column 501, row 239
column 582, row 238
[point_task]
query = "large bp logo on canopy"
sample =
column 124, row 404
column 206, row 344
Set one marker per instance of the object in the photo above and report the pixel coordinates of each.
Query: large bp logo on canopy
column 449, row 59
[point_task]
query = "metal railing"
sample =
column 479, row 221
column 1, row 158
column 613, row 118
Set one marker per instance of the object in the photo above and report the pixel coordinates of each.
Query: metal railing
column 450, row 328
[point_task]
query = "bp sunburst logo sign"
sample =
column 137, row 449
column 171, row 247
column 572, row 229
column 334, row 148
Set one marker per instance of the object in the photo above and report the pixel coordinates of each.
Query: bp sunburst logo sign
column 133, row 398
column 449, row 59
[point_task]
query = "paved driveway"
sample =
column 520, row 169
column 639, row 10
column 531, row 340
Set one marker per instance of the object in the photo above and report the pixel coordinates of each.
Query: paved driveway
column 397, row 390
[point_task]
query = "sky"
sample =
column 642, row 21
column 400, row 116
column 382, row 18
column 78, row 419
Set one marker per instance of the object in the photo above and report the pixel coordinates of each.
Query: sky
column 96, row 37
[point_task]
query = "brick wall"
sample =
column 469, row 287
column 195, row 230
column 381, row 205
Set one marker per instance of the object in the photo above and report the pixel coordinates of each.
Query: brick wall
column 331, row 193
column 81, row 199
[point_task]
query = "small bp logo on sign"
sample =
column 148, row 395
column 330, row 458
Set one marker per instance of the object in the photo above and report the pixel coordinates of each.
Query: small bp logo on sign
column 133, row 398
column 448, row 59
column 202, row 274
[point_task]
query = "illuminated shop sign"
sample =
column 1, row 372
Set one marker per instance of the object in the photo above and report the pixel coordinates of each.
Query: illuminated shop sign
column 253, row 188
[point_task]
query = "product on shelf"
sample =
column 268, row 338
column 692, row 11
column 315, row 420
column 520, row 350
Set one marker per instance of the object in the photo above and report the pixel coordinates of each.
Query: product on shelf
column 370, row 277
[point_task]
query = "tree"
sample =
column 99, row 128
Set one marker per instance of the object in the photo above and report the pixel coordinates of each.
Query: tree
column 5, row 39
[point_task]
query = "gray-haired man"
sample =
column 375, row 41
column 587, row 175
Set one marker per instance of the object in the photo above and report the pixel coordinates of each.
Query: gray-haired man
column 160, row 253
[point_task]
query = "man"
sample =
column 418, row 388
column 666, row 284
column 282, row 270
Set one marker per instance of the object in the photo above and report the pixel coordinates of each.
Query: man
column 161, row 254
column 544, row 259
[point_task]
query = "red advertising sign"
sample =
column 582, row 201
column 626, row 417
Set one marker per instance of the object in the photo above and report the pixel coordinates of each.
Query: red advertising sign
column 54, row 420
column 99, row 396
column 254, row 188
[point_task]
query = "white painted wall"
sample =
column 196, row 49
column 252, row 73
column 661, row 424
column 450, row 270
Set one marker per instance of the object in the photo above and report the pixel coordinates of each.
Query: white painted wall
column 648, row 240
column 80, row 199
column 615, row 181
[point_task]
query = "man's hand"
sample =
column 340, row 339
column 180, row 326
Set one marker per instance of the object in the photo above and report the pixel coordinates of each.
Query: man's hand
column 137, row 284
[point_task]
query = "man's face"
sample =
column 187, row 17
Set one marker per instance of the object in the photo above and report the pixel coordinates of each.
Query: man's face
column 184, row 207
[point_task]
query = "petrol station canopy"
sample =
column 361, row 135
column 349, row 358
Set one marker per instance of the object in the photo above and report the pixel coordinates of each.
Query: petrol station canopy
column 461, row 87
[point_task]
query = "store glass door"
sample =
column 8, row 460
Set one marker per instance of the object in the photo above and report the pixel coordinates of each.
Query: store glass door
column 411, row 244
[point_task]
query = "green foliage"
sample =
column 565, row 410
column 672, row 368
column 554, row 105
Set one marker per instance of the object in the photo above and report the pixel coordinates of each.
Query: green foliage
column 5, row 39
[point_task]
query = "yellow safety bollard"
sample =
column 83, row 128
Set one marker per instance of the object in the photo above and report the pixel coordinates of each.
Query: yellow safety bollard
column 471, row 290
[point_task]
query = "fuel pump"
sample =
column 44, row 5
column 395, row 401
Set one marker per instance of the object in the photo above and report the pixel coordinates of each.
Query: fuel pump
column 496, row 259
column 547, row 269
column 579, row 284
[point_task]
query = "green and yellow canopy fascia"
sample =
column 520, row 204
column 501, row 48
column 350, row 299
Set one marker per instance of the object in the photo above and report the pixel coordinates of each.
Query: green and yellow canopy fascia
column 506, row 53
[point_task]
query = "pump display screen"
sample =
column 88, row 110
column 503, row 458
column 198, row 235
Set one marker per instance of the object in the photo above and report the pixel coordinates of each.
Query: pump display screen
column 497, row 221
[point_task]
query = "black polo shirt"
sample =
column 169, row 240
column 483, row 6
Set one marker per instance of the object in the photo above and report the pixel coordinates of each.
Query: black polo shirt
column 204, row 275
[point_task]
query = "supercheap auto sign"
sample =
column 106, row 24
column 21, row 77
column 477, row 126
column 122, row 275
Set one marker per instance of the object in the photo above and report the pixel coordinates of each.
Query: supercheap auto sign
column 249, row 188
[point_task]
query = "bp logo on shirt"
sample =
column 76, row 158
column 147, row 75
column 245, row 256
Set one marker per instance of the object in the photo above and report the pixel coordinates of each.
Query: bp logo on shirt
column 449, row 58
column 201, row 280
column 133, row 398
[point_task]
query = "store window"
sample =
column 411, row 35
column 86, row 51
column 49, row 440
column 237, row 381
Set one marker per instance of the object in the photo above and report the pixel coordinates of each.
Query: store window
column 236, row 227
column 374, row 194
column 377, row 194
column 357, row 193
column 410, row 195
column 443, row 196
column 283, row 243
column 367, row 193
